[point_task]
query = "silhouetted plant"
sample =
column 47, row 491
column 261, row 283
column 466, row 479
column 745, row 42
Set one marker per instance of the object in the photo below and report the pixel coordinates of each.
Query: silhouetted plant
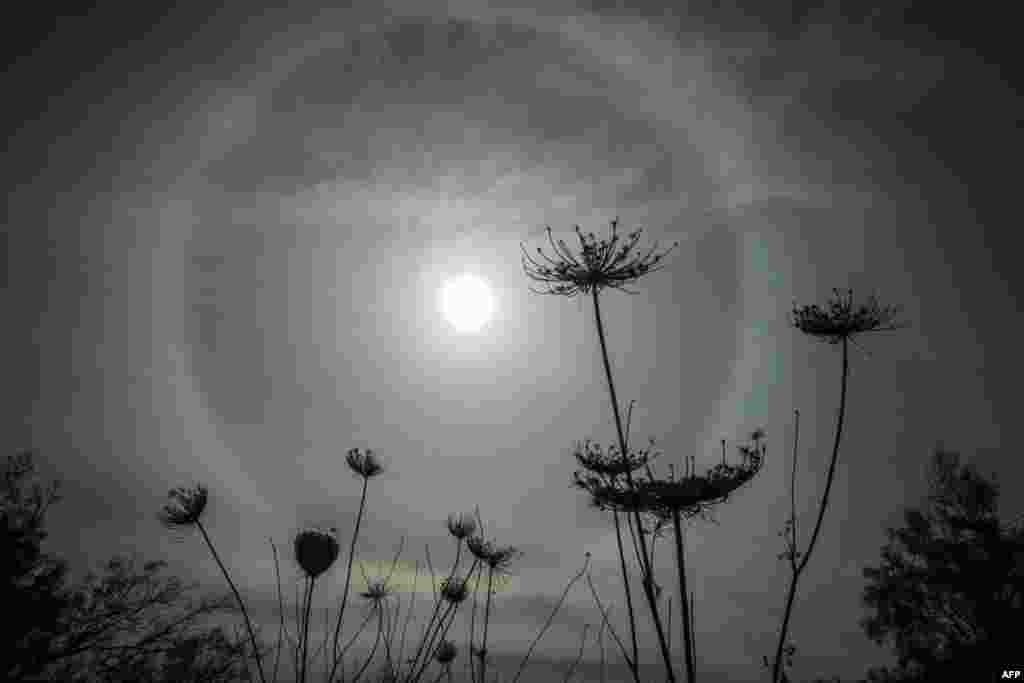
column 951, row 582
column 127, row 619
column 315, row 552
column 606, row 263
column 678, row 499
column 34, row 582
column 365, row 466
column 497, row 559
column 838, row 322
column 129, row 622
column 650, row 505
column 184, row 510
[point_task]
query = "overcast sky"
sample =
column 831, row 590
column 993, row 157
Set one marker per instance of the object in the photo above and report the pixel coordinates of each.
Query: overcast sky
column 226, row 234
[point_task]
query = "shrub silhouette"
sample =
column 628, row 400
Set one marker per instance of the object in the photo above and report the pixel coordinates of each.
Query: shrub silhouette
column 127, row 623
column 951, row 582
column 33, row 583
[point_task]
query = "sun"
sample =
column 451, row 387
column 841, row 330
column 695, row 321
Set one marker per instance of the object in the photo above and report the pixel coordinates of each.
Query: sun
column 466, row 302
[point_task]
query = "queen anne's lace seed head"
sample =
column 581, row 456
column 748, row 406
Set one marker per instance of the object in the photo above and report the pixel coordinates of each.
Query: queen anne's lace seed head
column 315, row 551
column 840, row 319
column 445, row 652
column 376, row 591
column 186, row 506
column 690, row 495
column 365, row 465
column 455, row 589
column 461, row 526
column 611, row 262
column 498, row 558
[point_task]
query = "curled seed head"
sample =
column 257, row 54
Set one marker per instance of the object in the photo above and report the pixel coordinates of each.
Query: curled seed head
column 365, row 465
column 461, row 526
column 185, row 507
column 315, row 551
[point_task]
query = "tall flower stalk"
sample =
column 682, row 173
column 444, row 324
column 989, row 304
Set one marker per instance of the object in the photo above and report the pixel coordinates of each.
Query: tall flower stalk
column 315, row 552
column 839, row 322
column 675, row 500
column 614, row 262
column 185, row 509
column 365, row 466
column 497, row 560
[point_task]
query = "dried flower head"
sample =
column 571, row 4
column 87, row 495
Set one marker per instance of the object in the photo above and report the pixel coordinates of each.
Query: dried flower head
column 612, row 262
column 365, row 465
column 315, row 551
column 496, row 557
column 186, row 506
column 610, row 464
column 376, row 590
column 445, row 651
column 461, row 526
column 690, row 495
column 841, row 320
column 455, row 589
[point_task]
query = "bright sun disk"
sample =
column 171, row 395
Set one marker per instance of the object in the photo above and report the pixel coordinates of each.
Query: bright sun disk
column 466, row 302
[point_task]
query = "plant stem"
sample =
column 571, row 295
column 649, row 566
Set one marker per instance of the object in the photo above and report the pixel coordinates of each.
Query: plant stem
column 646, row 570
column 798, row 569
column 280, row 609
column 635, row 663
column 238, row 598
column 348, row 578
column 487, row 618
column 691, row 674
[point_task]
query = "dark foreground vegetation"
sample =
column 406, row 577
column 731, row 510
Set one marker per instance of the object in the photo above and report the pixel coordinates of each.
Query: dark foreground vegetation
column 946, row 598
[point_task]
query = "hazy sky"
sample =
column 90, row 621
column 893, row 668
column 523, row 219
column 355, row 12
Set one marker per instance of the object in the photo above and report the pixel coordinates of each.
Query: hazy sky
column 226, row 234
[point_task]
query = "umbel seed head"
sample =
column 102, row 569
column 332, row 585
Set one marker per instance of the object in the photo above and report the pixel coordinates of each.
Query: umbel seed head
column 613, row 262
column 461, row 526
column 445, row 652
column 186, row 506
column 455, row 590
column 840, row 319
column 315, row 551
column 365, row 465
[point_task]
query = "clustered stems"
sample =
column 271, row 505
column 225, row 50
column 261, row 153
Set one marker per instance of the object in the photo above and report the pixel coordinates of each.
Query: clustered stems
column 615, row 263
column 645, row 569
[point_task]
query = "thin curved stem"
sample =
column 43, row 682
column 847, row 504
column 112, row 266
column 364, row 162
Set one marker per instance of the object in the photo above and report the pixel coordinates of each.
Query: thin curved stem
column 798, row 569
column 551, row 617
column 487, row 618
column 306, row 614
column 348, row 579
column 280, row 609
column 238, row 598
column 645, row 568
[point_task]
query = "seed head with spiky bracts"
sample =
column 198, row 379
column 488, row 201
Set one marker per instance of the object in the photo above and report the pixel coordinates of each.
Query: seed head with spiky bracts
column 365, row 465
column 377, row 590
column 610, row 464
column 611, row 262
column 840, row 319
column 445, row 652
column 690, row 495
column 498, row 558
column 455, row 589
column 315, row 551
column 186, row 506
column 461, row 526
